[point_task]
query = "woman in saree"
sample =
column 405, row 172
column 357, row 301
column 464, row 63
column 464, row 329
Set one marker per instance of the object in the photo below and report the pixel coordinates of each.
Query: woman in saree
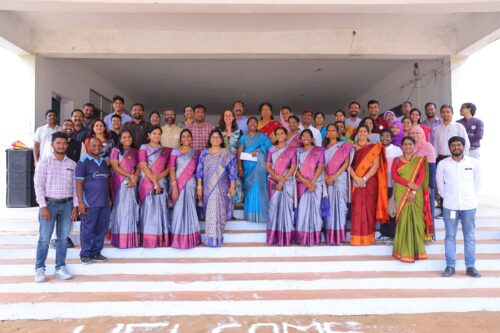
column 293, row 137
column 124, row 180
column 185, row 227
column 397, row 132
column 281, row 163
column 216, row 178
column 370, row 124
column 310, row 190
column 153, row 191
column 369, row 189
column 232, row 134
column 267, row 124
column 425, row 149
column 411, row 177
column 337, row 159
column 254, row 173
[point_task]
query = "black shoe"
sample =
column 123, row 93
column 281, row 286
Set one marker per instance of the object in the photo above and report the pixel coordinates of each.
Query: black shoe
column 70, row 243
column 449, row 271
column 86, row 260
column 52, row 243
column 99, row 258
column 473, row 272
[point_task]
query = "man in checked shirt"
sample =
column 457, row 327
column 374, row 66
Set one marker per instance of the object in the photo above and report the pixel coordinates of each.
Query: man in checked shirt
column 55, row 189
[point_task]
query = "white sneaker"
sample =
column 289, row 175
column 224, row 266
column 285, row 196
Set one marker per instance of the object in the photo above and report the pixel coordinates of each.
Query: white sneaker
column 62, row 274
column 40, row 274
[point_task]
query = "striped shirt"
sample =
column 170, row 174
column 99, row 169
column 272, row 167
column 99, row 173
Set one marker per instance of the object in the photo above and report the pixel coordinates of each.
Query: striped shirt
column 55, row 179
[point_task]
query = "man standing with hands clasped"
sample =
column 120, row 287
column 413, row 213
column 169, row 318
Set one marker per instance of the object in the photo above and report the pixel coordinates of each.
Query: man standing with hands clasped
column 458, row 181
column 56, row 194
column 92, row 187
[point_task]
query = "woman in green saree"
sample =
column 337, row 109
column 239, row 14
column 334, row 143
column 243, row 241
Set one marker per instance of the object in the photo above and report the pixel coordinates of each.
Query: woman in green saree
column 411, row 180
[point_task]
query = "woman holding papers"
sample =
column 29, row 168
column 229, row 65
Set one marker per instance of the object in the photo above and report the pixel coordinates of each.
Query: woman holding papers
column 252, row 153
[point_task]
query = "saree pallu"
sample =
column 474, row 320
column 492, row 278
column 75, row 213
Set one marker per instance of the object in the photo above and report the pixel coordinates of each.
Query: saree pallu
column 216, row 170
column 280, row 223
column 294, row 141
column 309, row 222
column 256, row 205
column 185, row 226
column 409, row 241
column 125, row 212
column 154, row 219
column 269, row 128
column 369, row 203
column 338, row 193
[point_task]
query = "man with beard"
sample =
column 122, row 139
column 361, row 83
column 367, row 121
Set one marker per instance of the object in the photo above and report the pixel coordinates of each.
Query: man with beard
column 88, row 115
column 170, row 131
column 353, row 121
column 373, row 112
column 241, row 120
column 138, row 127
column 55, row 190
column 79, row 131
column 43, row 134
column 74, row 152
column 458, row 181
column 432, row 120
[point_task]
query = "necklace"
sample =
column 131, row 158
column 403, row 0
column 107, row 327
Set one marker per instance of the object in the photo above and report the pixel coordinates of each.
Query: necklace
column 408, row 160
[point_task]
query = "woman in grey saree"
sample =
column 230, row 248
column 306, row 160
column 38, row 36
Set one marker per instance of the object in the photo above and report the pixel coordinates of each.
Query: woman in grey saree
column 185, row 226
column 281, row 164
column 310, row 187
column 337, row 157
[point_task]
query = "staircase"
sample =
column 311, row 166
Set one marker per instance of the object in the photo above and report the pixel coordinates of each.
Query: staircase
column 245, row 277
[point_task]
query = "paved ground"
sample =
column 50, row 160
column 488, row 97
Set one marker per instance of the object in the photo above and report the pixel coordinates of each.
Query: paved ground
column 472, row 322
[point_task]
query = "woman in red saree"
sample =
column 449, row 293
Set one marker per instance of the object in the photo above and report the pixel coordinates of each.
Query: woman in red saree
column 267, row 124
column 369, row 189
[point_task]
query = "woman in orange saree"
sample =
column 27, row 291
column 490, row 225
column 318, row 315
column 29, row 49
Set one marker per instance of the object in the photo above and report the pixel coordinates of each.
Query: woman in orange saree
column 369, row 189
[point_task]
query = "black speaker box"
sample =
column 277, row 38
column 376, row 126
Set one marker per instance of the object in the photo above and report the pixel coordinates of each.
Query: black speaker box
column 20, row 172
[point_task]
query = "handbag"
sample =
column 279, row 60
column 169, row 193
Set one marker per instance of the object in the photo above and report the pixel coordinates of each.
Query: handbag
column 391, row 207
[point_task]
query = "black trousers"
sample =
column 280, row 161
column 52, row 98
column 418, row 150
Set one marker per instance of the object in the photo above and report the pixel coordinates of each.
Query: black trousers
column 389, row 229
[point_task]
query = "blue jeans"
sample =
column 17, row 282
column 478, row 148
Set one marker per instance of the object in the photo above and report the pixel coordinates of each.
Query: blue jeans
column 60, row 216
column 468, row 218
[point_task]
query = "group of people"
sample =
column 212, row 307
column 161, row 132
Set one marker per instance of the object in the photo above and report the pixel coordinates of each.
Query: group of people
column 150, row 185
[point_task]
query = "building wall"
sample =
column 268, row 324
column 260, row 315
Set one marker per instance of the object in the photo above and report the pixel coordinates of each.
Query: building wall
column 72, row 81
column 399, row 85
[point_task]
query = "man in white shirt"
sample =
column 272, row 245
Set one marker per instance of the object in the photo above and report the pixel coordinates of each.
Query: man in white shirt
column 307, row 117
column 458, row 180
column 43, row 136
column 388, row 230
column 448, row 129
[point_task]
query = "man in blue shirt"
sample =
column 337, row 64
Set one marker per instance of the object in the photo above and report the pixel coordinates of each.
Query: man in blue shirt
column 241, row 120
column 119, row 109
column 92, row 188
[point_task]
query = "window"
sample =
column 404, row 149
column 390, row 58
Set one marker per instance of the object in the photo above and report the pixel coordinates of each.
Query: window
column 102, row 104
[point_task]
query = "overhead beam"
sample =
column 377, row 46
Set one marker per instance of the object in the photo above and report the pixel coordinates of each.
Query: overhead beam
column 477, row 31
column 372, row 43
column 255, row 6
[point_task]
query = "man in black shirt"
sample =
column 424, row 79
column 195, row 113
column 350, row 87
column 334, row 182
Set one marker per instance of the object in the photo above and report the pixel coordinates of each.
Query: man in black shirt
column 137, row 126
column 75, row 148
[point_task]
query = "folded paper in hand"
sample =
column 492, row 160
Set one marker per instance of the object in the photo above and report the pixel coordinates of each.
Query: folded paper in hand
column 247, row 157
